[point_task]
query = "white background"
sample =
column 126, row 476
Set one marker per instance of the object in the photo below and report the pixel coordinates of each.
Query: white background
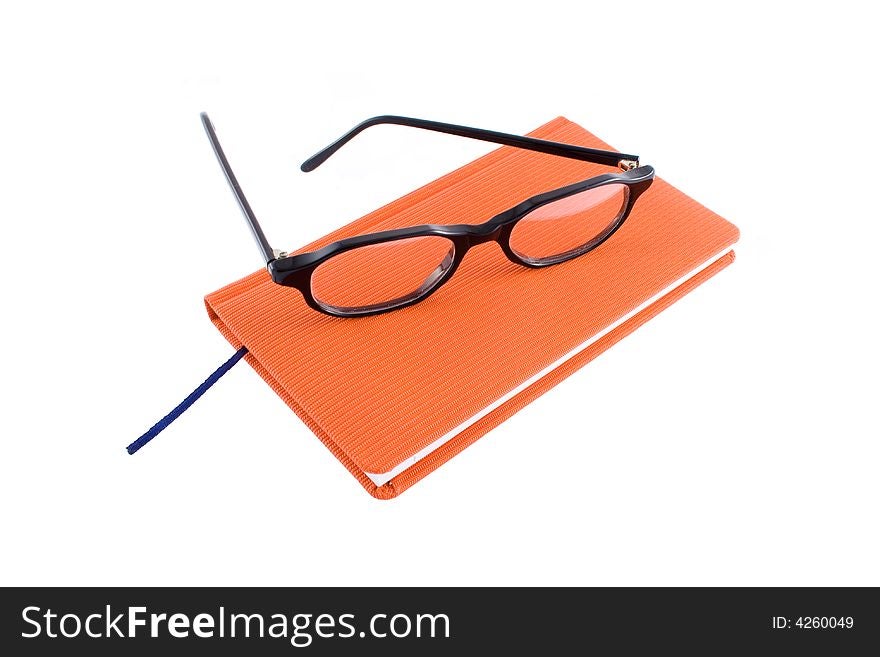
column 731, row 440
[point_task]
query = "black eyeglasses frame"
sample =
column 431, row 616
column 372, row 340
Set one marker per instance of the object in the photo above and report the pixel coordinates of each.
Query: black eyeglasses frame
column 296, row 270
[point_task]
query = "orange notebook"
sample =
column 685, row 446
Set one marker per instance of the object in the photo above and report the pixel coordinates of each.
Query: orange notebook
column 394, row 396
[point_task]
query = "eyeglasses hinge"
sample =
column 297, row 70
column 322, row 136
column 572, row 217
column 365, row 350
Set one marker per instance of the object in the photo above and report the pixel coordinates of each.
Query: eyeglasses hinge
column 277, row 254
column 628, row 165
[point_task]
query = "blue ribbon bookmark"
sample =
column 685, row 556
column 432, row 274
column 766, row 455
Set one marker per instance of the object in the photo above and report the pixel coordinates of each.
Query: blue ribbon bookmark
column 162, row 424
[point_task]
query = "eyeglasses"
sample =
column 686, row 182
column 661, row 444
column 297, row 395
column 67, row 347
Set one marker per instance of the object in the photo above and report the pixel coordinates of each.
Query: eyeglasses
column 384, row 271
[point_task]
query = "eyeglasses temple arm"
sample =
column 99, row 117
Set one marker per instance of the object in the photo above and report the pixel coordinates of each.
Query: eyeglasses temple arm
column 256, row 230
column 597, row 156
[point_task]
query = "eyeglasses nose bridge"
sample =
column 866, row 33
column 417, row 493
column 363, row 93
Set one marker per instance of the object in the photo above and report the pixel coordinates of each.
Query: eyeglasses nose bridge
column 485, row 234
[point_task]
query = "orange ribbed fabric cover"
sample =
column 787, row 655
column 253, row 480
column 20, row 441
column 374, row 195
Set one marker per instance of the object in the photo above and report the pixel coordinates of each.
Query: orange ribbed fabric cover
column 377, row 390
